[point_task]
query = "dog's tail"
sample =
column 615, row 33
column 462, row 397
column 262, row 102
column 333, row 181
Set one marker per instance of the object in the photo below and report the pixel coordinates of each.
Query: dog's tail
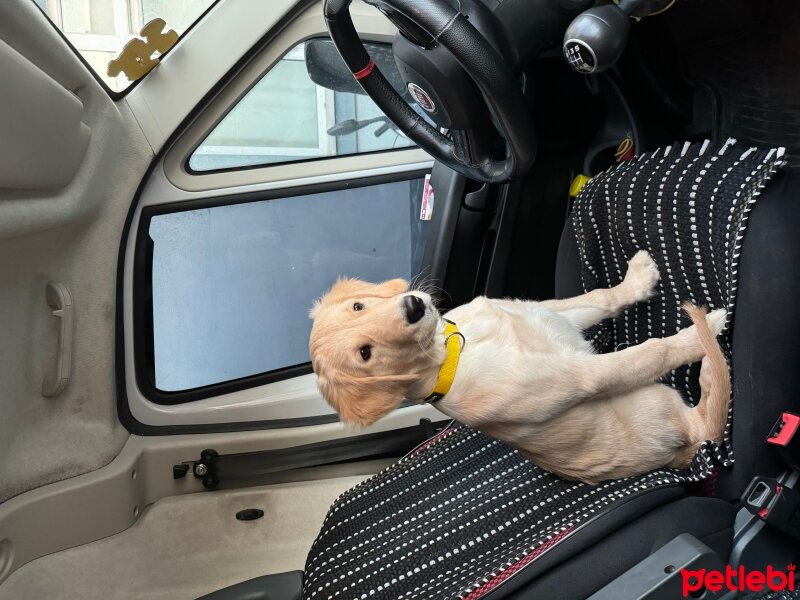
column 715, row 381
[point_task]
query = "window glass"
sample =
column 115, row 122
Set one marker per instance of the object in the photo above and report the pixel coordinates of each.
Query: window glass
column 232, row 285
column 257, row 130
column 306, row 106
column 80, row 16
column 98, row 29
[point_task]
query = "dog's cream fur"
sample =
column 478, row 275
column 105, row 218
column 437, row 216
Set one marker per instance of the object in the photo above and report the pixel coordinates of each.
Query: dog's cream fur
column 526, row 375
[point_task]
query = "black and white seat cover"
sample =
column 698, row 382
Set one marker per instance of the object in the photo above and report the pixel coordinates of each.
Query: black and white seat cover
column 462, row 514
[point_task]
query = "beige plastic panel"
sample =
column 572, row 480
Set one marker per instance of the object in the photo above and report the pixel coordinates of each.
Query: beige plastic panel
column 69, row 233
column 48, row 155
column 98, row 504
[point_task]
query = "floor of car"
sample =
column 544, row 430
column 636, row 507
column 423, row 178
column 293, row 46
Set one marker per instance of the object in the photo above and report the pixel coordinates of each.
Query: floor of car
column 185, row 546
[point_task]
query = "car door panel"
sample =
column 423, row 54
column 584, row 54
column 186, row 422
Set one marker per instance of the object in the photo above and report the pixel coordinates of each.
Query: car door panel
column 59, row 222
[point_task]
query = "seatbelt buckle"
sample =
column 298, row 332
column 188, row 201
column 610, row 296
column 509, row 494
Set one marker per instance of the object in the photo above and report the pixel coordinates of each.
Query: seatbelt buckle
column 775, row 504
column 785, row 438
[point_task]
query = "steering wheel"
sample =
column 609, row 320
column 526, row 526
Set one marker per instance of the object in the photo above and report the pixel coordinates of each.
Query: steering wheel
column 476, row 149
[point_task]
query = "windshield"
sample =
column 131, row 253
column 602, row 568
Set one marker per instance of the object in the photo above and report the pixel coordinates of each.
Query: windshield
column 99, row 29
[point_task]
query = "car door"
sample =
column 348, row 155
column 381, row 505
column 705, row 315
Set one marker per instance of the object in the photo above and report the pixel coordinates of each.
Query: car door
column 280, row 178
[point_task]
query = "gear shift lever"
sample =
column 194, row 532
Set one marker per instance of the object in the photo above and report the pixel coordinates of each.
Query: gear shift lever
column 595, row 39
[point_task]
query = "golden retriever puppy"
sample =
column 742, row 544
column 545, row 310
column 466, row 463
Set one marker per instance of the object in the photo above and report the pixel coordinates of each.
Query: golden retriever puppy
column 524, row 373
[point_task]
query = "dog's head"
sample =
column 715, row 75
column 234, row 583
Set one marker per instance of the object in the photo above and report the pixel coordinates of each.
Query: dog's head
column 369, row 345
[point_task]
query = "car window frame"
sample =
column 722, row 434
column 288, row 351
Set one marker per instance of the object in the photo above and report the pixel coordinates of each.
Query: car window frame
column 308, row 24
column 143, row 337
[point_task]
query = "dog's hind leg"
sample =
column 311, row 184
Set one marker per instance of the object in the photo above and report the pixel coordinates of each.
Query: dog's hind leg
column 600, row 304
column 644, row 363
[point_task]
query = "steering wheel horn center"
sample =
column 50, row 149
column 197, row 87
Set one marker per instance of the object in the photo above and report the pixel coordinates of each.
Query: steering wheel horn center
column 422, row 98
column 439, row 85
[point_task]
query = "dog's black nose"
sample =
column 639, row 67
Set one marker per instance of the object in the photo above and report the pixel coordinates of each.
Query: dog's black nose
column 415, row 308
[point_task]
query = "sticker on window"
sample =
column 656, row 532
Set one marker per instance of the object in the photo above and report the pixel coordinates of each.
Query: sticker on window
column 426, row 212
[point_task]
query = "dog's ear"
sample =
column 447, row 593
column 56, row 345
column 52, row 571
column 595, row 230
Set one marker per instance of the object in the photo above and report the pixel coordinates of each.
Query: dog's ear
column 361, row 401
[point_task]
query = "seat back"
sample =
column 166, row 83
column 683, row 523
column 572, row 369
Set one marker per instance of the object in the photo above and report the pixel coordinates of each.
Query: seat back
column 740, row 257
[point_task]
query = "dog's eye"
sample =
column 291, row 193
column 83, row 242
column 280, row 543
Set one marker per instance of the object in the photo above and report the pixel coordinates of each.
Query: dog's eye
column 365, row 352
column 358, row 306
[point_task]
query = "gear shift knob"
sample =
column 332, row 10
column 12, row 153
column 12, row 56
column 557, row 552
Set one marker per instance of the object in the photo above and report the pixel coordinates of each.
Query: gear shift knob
column 595, row 39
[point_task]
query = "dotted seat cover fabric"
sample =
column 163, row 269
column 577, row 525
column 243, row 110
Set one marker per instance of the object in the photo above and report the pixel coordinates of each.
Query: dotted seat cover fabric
column 463, row 513
column 688, row 207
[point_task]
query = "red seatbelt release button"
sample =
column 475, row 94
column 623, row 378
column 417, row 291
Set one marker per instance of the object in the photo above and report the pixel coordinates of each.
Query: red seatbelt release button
column 784, row 430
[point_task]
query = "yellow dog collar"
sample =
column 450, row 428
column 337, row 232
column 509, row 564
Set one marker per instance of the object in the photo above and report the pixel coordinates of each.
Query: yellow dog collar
column 447, row 372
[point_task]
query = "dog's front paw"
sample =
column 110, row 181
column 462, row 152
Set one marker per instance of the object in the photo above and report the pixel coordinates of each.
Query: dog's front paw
column 716, row 320
column 642, row 276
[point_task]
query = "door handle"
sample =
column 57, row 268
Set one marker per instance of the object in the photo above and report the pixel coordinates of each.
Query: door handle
column 59, row 299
